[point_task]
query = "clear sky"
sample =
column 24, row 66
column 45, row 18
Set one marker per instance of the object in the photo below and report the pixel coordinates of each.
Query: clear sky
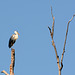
column 34, row 51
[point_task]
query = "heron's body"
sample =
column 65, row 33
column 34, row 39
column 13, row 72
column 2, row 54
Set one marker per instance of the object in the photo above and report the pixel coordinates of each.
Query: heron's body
column 13, row 39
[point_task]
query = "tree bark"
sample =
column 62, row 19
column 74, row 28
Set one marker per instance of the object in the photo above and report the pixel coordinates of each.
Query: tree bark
column 12, row 62
column 59, row 72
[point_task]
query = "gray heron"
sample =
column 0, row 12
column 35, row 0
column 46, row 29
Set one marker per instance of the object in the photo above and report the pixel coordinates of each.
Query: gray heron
column 13, row 39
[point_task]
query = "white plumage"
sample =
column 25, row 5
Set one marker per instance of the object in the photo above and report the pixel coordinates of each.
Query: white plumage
column 13, row 39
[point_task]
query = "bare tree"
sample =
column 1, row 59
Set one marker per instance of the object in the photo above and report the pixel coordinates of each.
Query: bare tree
column 12, row 63
column 51, row 34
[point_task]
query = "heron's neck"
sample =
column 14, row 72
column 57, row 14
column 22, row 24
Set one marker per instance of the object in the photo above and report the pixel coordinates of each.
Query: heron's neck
column 16, row 36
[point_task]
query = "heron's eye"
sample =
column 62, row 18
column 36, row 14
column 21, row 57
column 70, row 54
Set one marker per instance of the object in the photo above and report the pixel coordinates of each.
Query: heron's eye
column 13, row 36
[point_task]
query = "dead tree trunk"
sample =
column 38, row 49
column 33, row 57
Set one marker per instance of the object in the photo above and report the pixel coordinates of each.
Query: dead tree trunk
column 51, row 34
column 12, row 63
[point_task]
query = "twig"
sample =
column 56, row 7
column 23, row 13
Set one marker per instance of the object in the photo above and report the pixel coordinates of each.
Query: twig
column 67, row 31
column 4, row 72
column 65, row 41
column 53, row 22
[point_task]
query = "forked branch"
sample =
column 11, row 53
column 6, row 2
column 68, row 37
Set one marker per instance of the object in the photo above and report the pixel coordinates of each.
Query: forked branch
column 51, row 34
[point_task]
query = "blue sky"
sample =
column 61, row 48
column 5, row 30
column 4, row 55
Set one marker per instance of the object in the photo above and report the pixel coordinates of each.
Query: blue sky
column 34, row 51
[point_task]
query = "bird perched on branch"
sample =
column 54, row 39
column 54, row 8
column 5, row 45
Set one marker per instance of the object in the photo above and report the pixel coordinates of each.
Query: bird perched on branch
column 13, row 39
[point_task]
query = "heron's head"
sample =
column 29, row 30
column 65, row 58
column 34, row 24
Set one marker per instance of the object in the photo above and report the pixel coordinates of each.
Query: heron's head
column 16, row 32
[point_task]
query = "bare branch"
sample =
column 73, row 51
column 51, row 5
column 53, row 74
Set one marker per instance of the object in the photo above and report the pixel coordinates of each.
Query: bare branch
column 52, row 32
column 51, row 12
column 65, row 41
column 4, row 72
column 53, row 23
column 67, row 31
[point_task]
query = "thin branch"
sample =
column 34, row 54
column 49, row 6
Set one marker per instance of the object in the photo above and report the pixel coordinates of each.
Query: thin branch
column 51, row 33
column 65, row 41
column 49, row 29
column 67, row 31
column 4, row 72
column 53, row 23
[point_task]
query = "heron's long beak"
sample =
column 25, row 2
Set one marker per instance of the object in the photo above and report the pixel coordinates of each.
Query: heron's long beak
column 18, row 34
